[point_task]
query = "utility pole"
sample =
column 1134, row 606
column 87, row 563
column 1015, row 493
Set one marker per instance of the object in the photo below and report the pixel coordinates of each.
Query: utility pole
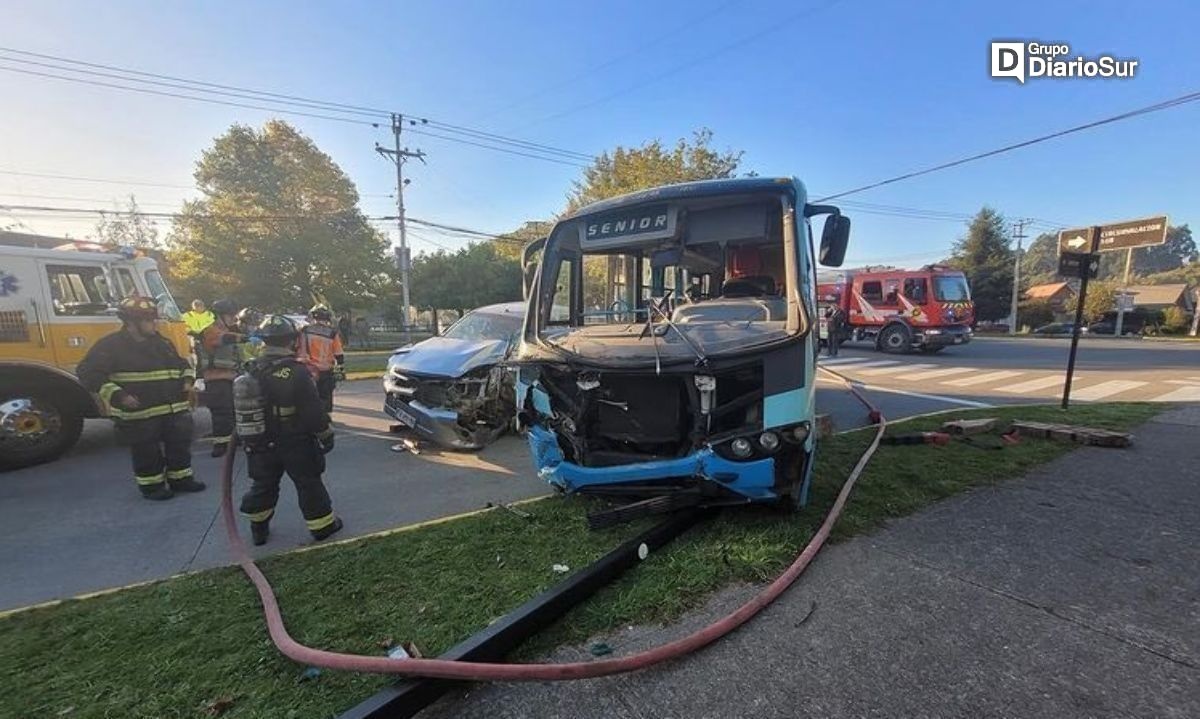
column 1016, row 290
column 1119, row 329
column 399, row 155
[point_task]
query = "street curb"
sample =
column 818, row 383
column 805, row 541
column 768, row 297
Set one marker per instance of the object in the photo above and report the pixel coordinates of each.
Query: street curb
column 365, row 374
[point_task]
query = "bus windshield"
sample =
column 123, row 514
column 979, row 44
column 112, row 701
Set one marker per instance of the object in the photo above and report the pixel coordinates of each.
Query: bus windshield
column 674, row 280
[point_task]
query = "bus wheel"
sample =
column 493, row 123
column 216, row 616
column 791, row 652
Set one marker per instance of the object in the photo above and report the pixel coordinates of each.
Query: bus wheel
column 35, row 428
column 895, row 339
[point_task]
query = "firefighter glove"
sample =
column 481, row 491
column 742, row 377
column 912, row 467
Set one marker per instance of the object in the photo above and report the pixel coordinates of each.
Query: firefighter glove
column 325, row 441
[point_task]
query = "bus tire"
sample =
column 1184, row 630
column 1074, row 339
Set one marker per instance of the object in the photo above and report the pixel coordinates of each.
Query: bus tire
column 895, row 339
column 35, row 427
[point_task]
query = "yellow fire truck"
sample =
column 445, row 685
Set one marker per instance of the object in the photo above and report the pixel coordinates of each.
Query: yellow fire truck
column 54, row 305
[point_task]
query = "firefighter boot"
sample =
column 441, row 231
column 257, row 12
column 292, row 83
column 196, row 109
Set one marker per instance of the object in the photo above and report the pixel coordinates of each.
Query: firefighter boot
column 156, row 492
column 327, row 532
column 219, row 449
column 259, row 531
column 187, row 484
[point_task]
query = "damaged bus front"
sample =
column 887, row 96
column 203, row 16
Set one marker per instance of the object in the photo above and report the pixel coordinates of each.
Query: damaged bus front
column 667, row 343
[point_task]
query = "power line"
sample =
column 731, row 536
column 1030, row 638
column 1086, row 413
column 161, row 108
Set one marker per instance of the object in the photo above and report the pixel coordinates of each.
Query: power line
column 200, row 86
column 1164, row 105
column 75, row 178
column 266, row 108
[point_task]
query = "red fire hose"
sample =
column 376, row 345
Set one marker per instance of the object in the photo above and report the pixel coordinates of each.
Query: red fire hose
column 489, row 671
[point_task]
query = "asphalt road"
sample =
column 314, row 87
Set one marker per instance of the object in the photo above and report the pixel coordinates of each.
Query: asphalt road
column 1007, row 371
column 78, row 525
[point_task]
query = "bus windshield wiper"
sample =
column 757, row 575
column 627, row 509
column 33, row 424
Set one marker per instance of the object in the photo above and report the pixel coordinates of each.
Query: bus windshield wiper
column 701, row 359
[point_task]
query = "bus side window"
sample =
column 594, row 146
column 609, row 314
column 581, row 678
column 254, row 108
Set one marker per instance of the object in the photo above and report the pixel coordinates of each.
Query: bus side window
column 872, row 291
column 560, row 307
column 916, row 290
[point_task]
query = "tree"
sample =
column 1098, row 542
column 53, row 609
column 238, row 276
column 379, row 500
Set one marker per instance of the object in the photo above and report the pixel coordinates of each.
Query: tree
column 1178, row 251
column 985, row 257
column 128, row 227
column 1039, row 261
column 278, row 226
column 1101, row 299
column 628, row 169
column 478, row 274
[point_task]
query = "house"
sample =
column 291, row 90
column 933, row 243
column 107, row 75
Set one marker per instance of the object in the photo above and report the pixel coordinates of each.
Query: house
column 1155, row 298
column 1060, row 296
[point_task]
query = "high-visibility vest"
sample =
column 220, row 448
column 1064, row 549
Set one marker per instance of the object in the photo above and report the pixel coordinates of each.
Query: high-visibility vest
column 321, row 347
column 197, row 321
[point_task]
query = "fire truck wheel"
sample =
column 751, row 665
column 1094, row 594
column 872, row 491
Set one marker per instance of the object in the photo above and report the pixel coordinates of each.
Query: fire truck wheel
column 895, row 339
column 34, row 428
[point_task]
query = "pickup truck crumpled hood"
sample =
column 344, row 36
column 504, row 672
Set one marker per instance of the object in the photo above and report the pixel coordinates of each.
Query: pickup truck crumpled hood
column 446, row 357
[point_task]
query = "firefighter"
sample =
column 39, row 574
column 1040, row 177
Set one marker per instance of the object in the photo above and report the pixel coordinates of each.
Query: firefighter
column 296, row 435
column 147, row 387
column 321, row 350
column 836, row 323
column 219, row 362
column 248, row 321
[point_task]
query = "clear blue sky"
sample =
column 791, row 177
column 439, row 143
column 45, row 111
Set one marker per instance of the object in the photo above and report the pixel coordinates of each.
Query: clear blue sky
column 838, row 93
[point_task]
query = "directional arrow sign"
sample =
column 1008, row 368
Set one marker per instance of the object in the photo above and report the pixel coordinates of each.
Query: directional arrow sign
column 1076, row 240
column 1145, row 232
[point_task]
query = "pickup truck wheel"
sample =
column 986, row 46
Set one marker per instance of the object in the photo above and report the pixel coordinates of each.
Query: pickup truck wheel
column 34, row 428
column 895, row 339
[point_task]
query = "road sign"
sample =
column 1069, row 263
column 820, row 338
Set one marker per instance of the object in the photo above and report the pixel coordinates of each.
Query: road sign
column 1079, row 264
column 1125, row 301
column 1145, row 232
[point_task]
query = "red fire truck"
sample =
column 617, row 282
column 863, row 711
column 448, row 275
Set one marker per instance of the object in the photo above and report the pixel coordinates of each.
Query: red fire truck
column 902, row 310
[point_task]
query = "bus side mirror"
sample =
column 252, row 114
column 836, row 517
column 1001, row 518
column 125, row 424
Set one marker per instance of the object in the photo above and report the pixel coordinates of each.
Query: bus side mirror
column 834, row 240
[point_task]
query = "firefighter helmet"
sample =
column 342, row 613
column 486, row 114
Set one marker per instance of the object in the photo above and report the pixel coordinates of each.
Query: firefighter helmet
column 224, row 307
column 137, row 308
column 320, row 313
column 249, row 318
column 277, row 330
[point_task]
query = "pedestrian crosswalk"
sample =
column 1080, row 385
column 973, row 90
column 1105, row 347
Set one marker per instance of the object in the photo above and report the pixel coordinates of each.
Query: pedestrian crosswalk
column 1087, row 386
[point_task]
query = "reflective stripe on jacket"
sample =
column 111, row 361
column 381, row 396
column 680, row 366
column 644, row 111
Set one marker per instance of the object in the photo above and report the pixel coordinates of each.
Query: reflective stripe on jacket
column 149, row 369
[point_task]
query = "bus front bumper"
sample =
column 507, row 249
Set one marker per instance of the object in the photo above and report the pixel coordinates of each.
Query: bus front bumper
column 754, row 480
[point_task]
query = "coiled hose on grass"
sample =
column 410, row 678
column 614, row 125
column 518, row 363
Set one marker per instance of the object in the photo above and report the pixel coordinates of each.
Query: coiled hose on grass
column 493, row 671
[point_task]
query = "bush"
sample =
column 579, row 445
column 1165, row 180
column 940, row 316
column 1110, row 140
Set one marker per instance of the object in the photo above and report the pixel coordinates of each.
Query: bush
column 1175, row 321
column 1034, row 313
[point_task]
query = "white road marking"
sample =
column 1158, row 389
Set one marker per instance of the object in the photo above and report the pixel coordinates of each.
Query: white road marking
column 981, row 378
column 1185, row 382
column 921, row 395
column 1034, row 385
column 874, row 363
column 1106, row 389
column 842, row 360
column 1183, row 394
column 936, row 373
column 890, row 370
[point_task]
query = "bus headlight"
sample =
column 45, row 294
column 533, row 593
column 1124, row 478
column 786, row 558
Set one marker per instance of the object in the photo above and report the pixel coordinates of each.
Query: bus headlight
column 769, row 441
column 741, row 448
column 797, row 434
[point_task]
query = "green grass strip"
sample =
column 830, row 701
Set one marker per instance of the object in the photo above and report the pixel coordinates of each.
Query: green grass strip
column 171, row 649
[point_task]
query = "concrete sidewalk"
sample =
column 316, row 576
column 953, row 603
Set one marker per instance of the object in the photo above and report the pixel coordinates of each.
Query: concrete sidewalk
column 1073, row 592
